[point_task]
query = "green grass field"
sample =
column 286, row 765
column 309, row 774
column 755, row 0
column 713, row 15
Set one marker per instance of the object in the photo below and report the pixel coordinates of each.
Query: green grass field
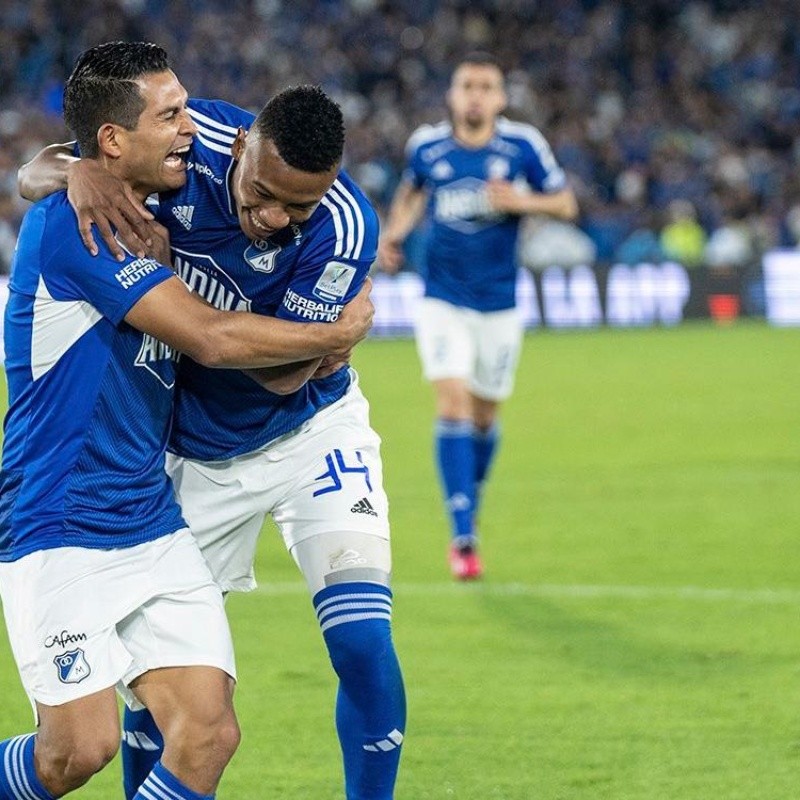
column 637, row 633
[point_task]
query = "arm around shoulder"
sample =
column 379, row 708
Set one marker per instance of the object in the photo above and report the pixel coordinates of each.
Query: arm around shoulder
column 236, row 339
column 46, row 172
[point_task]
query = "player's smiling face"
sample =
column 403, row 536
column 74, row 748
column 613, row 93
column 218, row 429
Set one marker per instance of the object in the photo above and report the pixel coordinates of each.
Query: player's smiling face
column 269, row 194
column 155, row 151
column 476, row 95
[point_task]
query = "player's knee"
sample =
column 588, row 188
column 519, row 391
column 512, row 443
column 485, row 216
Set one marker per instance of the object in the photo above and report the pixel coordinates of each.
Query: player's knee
column 67, row 767
column 358, row 650
column 207, row 740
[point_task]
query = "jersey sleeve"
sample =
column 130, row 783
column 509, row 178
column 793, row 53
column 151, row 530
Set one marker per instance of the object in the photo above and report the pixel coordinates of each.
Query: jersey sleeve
column 112, row 287
column 414, row 172
column 218, row 116
column 335, row 265
column 541, row 168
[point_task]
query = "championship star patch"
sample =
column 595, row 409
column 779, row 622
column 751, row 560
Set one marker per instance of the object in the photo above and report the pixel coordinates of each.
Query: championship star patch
column 72, row 666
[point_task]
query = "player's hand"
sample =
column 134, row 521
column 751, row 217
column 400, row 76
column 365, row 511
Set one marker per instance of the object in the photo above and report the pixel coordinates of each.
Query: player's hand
column 101, row 198
column 159, row 249
column 355, row 320
column 504, row 196
column 331, row 364
column 390, row 255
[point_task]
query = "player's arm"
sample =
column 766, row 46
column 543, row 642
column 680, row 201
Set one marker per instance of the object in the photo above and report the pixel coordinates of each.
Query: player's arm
column 96, row 195
column 236, row 339
column 405, row 212
column 511, row 199
column 286, row 378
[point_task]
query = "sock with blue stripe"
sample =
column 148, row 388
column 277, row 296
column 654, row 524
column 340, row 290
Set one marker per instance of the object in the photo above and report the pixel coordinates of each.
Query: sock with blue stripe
column 355, row 619
column 485, row 445
column 161, row 784
column 141, row 748
column 18, row 778
column 455, row 459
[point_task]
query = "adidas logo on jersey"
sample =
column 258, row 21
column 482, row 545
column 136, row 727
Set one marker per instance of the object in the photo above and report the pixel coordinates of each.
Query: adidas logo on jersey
column 184, row 215
column 364, row 506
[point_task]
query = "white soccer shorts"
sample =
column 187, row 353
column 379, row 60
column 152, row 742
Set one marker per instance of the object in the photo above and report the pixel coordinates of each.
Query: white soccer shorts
column 323, row 486
column 81, row 620
column 481, row 348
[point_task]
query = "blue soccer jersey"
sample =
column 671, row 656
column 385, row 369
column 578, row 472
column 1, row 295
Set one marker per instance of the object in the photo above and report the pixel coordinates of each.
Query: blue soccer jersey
column 305, row 272
column 471, row 249
column 90, row 397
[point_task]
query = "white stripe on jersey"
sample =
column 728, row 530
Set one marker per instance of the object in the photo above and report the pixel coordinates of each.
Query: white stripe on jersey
column 428, row 133
column 350, row 230
column 57, row 325
column 212, row 123
column 360, row 225
column 219, row 148
column 215, row 135
column 534, row 137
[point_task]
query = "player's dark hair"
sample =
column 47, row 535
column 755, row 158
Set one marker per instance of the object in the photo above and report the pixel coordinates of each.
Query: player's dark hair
column 306, row 126
column 102, row 88
column 480, row 59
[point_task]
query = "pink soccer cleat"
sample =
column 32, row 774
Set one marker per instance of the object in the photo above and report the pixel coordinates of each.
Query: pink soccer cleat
column 465, row 563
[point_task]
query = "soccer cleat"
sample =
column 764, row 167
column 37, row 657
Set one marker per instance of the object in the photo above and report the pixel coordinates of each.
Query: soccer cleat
column 465, row 563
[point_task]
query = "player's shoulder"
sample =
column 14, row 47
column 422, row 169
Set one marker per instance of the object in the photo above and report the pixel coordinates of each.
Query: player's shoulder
column 521, row 133
column 346, row 223
column 219, row 114
column 428, row 136
column 217, row 123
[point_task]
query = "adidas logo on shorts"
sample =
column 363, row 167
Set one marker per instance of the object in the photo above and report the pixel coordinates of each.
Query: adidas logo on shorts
column 364, row 506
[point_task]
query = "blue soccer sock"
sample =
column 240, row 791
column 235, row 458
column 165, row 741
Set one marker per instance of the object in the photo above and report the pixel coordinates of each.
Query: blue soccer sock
column 370, row 706
column 485, row 445
column 161, row 784
column 18, row 778
column 455, row 458
column 142, row 746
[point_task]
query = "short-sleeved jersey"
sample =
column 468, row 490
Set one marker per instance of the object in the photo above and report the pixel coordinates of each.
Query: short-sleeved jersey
column 90, row 397
column 305, row 272
column 471, row 249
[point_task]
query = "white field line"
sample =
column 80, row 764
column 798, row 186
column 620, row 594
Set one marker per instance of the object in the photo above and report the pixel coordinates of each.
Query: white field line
column 571, row 591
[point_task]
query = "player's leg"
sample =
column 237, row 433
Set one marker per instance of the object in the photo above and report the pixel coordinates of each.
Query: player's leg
column 194, row 709
column 226, row 522
column 348, row 577
column 62, row 607
column 73, row 742
column 499, row 341
column 334, row 520
column 447, row 351
column 485, row 441
column 182, row 670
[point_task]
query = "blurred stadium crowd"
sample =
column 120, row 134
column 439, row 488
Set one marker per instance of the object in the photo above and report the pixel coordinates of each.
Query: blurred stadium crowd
column 678, row 122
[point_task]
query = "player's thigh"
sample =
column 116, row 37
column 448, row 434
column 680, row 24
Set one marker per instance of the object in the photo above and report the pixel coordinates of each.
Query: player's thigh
column 445, row 340
column 225, row 503
column 338, row 483
column 499, row 335
column 343, row 557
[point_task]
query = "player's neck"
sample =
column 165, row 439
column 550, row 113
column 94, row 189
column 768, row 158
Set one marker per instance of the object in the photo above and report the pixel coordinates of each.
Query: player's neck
column 474, row 137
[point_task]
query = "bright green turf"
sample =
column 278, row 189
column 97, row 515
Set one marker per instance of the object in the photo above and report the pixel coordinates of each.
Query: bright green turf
column 636, row 636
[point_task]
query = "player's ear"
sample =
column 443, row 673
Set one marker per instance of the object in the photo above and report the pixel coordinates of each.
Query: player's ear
column 237, row 148
column 108, row 140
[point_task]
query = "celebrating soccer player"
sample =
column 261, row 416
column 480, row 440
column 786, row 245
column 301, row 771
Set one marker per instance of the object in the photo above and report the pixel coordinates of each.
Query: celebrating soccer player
column 267, row 222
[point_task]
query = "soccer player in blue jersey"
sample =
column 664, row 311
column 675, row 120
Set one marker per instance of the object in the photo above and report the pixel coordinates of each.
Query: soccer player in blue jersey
column 101, row 582
column 267, row 222
column 474, row 177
